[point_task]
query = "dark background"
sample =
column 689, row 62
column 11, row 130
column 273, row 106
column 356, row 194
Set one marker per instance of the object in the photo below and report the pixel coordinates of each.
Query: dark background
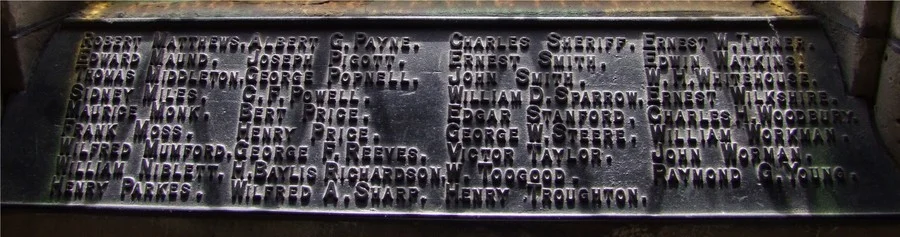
column 864, row 34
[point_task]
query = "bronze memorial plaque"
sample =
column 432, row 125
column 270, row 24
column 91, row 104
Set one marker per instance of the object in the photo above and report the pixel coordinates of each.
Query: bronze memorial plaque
column 446, row 117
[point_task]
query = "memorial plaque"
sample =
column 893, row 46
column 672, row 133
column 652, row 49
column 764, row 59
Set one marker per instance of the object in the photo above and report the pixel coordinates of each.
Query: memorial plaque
column 449, row 117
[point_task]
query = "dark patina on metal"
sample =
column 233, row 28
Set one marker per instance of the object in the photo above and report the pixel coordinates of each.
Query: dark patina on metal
column 469, row 117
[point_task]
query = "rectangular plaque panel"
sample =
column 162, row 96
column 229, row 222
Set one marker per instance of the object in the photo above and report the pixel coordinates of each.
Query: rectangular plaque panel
column 468, row 117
